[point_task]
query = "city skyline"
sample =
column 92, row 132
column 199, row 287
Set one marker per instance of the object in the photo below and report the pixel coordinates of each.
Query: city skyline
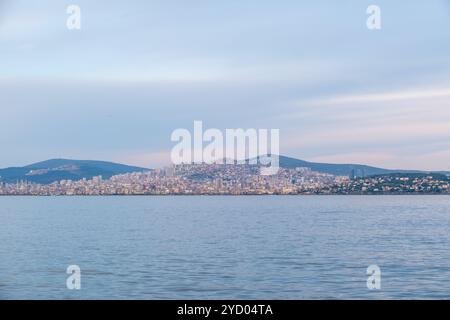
column 233, row 179
column 117, row 88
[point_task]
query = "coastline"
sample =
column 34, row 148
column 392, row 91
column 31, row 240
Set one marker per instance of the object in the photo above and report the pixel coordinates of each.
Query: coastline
column 224, row 195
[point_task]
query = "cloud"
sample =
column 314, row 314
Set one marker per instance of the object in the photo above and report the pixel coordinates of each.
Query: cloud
column 116, row 89
column 393, row 96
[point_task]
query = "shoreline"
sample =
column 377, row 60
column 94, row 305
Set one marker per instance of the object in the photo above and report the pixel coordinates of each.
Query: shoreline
column 224, row 195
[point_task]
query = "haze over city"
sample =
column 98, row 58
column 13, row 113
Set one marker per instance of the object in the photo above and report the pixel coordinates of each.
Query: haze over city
column 117, row 88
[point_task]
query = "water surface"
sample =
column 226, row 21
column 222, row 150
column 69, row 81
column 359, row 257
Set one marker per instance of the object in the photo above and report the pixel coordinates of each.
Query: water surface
column 212, row 247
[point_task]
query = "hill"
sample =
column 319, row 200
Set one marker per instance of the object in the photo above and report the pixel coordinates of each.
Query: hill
column 338, row 169
column 58, row 169
column 64, row 169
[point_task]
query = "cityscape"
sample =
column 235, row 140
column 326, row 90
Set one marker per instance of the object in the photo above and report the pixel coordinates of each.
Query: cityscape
column 234, row 179
column 214, row 159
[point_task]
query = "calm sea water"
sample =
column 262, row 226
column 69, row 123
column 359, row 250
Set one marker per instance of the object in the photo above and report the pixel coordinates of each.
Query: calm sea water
column 292, row 247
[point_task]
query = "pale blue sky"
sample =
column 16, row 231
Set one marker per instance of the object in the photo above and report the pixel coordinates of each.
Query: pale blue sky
column 137, row 70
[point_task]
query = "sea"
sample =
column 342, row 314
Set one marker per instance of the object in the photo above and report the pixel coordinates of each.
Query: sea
column 225, row 247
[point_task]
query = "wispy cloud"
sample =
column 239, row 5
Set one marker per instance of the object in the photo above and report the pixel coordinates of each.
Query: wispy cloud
column 390, row 96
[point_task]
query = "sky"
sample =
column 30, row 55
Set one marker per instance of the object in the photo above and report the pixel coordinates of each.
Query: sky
column 137, row 70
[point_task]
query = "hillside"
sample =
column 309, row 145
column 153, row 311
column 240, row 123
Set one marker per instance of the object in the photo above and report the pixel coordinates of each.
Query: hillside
column 58, row 169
